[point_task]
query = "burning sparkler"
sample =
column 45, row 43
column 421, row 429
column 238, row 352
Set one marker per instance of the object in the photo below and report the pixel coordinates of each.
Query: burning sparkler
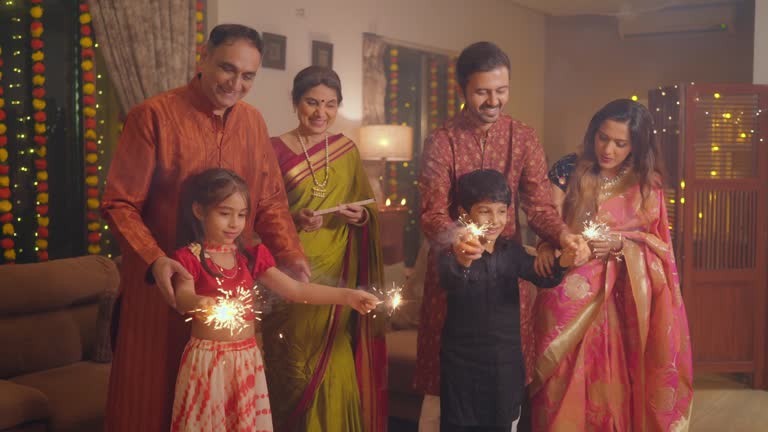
column 391, row 298
column 595, row 231
column 473, row 228
column 230, row 310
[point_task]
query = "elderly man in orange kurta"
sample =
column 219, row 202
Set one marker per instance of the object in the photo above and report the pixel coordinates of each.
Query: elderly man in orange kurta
column 167, row 138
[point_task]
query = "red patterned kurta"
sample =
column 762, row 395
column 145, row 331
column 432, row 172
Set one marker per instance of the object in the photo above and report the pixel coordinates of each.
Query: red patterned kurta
column 166, row 139
column 511, row 148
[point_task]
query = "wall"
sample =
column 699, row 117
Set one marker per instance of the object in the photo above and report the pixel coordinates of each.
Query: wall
column 760, row 74
column 442, row 24
column 588, row 65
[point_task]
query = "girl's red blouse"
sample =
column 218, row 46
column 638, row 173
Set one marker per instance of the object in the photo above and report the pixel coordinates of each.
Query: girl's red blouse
column 226, row 280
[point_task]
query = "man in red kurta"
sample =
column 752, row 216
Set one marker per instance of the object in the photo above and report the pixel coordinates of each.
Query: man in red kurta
column 167, row 138
column 479, row 137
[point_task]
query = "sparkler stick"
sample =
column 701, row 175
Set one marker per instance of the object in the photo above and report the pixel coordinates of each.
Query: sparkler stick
column 337, row 208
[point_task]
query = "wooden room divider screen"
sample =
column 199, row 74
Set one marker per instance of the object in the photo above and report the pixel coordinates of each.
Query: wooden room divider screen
column 720, row 175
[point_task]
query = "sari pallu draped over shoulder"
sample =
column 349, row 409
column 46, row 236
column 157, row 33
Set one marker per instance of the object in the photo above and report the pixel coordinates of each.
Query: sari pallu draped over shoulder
column 612, row 350
column 308, row 347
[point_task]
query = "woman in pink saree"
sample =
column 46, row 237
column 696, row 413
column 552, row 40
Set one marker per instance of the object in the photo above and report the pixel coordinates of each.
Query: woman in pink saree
column 612, row 348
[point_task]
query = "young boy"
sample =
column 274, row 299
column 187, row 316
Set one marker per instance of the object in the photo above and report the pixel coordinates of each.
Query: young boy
column 482, row 372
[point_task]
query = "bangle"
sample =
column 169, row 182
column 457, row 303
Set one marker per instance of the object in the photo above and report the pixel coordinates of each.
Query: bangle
column 618, row 253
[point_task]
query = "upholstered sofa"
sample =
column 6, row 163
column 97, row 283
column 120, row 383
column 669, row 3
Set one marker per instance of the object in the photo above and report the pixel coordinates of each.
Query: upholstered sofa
column 54, row 344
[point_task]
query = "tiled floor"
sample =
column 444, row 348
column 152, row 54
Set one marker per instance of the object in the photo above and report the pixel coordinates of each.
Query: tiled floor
column 721, row 403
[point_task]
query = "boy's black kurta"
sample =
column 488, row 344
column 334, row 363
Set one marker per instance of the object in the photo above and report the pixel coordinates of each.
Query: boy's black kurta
column 482, row 369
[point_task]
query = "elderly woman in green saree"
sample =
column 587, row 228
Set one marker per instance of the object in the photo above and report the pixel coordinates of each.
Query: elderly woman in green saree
column 326, row 365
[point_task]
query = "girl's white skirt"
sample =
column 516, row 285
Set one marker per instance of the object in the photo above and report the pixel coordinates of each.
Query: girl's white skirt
column 221, row 387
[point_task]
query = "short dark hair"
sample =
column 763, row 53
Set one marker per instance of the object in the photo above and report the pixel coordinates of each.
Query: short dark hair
column 482, row 185
column 479, row 57
column 228, row 33
column 314, row 76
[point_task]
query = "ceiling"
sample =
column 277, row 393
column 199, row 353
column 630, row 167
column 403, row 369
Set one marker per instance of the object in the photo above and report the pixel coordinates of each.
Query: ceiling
column 608, row 7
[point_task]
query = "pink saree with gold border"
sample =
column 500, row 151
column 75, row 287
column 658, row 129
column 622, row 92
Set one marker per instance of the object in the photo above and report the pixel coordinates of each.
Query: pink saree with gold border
column 612, row 349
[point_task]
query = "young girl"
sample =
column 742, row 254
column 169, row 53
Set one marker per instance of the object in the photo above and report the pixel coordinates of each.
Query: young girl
column 221, row 384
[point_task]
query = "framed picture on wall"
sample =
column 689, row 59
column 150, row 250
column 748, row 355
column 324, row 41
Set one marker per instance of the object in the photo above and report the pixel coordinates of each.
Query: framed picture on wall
column 274, row 51
column 322, row 54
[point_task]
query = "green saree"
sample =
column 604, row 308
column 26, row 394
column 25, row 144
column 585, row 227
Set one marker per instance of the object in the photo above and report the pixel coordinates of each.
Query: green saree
column 326, row 365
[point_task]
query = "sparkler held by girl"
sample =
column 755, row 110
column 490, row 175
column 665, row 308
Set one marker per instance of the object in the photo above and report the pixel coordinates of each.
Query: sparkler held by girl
column 221, row 378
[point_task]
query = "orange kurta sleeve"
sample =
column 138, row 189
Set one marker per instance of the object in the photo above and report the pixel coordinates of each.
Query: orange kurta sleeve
column 128, row 182
column 273, row 222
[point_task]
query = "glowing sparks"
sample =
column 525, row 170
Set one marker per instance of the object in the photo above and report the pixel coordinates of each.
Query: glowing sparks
column 391, row 298
column 474, row 229
column 594, row 231
column 230, row 310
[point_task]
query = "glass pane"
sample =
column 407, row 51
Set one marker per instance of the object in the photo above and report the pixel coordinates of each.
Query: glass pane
column 726, row 135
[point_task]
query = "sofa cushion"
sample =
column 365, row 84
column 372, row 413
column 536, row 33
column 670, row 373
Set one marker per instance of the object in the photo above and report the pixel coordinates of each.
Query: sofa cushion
column 77, row 395
column 39, row 341
column 401, row 354
column 86, row 318
column 21, row 404
column 55, row 284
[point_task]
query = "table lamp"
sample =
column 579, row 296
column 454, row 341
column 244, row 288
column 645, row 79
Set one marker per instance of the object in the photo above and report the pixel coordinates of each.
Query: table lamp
column 380, row 144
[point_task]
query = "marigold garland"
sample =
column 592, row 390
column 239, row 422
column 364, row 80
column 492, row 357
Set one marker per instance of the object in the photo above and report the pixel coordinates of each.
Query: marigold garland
column 393, row 86
column 7, row 243
column 433, row 112
column 40, row 128
column 90, row 136
column 199, row 29
column 451, row 89
column 394, row 118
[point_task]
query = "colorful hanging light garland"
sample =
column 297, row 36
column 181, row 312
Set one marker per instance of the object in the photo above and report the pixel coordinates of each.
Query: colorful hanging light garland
column 90, row 136
column 433, row 112
column 451, row 89
column 39, row 136
column 199, row 29
column 394, row 118
column 393, row 86
column 7, row 243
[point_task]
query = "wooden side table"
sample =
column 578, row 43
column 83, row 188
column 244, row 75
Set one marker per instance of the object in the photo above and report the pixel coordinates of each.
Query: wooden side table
column 392, row 226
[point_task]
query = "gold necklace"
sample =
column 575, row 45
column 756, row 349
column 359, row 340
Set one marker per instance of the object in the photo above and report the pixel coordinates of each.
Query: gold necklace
column 318, row 190
column 608, row 184
column 222, row 271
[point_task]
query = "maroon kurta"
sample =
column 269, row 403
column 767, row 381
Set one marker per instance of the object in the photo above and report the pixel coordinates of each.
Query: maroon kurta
column 511, row 148
column 166, row 139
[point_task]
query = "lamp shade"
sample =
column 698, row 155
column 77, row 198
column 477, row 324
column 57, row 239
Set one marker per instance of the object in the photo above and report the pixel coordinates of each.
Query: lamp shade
column 390, row 142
